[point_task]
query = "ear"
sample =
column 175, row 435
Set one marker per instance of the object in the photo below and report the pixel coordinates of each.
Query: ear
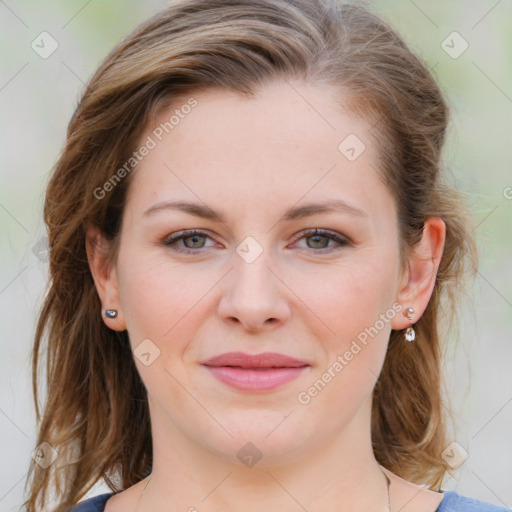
column 417, row 282
column 104, row 276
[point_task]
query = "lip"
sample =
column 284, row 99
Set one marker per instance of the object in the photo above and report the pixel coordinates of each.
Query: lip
column 263, row 360
column 258, row 372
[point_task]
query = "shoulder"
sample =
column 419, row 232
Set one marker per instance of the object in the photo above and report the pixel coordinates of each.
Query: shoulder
column 454, row 502
column 95, row 504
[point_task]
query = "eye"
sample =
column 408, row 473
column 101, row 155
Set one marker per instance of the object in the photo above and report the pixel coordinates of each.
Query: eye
column 191, row 238
column 321, row 238
column 194, row 240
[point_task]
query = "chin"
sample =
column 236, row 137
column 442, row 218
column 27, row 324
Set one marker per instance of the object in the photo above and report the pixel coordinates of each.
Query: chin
column 270, row 437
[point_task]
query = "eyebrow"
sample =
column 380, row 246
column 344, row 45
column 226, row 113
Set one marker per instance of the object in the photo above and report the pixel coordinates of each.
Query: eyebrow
column 296, row 212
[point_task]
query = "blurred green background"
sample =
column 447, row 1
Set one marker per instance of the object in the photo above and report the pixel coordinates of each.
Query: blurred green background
column 38, row 96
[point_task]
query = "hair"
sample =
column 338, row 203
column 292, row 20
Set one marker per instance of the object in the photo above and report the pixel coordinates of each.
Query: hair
column 96, row 413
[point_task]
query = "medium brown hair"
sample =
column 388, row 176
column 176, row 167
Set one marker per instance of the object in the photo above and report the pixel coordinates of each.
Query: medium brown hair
column 96, row 414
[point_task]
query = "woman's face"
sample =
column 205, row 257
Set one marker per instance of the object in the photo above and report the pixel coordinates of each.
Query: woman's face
column 257, row 281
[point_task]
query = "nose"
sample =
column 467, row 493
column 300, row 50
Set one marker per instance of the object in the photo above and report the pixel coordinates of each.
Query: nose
column 254, row 295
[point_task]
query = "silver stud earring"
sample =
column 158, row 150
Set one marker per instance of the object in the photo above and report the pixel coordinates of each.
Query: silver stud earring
column 111, row 313
column 410, row 334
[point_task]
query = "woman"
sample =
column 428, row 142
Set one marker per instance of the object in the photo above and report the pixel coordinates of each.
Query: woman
column 250, row 245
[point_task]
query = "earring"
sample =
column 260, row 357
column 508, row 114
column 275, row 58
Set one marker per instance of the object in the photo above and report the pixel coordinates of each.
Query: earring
column 111, row 313
column 410, row 334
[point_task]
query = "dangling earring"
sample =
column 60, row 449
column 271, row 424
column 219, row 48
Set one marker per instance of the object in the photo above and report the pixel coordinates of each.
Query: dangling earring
column 410, row 334
column 111, row 313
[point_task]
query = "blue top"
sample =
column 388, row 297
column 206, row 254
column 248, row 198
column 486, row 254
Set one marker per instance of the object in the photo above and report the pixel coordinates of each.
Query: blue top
column 452, row 502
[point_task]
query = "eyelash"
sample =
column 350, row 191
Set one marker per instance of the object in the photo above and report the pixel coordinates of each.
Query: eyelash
column 171, row 241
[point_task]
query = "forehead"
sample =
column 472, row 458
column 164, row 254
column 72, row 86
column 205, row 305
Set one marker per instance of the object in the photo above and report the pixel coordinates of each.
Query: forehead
column 289, row 141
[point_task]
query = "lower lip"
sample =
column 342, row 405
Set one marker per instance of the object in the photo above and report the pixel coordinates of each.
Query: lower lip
column 255, row 380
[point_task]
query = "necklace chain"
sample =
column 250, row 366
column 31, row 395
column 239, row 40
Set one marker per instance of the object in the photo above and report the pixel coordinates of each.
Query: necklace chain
column 387, row 480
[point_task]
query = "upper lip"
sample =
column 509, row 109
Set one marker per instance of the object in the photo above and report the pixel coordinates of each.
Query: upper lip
column 263, row 360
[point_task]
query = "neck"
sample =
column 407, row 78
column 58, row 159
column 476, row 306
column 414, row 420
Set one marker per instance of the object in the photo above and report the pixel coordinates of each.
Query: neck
column 341, row 474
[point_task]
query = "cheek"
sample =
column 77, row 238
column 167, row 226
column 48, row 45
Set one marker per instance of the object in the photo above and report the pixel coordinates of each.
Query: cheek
column 156, row 297
column 349, row 295
column 167, row 303
column 353, row 316
column 160, row 302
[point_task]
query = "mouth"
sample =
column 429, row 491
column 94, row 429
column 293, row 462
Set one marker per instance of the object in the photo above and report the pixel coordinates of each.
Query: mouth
column 256, row 373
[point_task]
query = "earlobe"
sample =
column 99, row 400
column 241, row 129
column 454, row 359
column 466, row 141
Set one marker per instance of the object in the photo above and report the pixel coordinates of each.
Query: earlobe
column 423, row 265
column 105, row 278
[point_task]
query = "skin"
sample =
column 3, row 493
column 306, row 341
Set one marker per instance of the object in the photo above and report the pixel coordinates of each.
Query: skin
column 305, row 297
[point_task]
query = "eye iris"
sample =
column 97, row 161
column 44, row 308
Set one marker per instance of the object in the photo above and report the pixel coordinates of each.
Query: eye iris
column 194, row 237
column 322, row 246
